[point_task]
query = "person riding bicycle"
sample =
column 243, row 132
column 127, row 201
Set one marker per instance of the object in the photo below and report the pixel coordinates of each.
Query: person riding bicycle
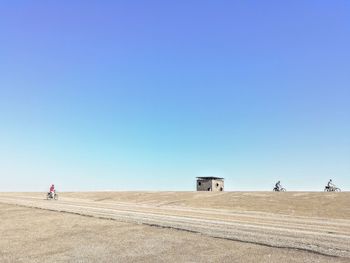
column 330, row 184
column 52, row 190
column 278, row 185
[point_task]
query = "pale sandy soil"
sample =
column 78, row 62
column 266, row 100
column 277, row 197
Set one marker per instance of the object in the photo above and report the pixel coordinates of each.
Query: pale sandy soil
column 36, row 235
column 315, row 204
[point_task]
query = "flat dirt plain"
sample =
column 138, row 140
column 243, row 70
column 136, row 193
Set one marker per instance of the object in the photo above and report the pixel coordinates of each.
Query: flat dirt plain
column 175, row 227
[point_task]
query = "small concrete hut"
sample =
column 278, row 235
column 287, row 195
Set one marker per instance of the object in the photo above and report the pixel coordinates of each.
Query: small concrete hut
column 214, row 184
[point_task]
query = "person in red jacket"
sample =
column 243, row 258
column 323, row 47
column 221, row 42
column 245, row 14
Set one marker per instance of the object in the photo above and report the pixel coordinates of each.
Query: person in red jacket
column 52, row 190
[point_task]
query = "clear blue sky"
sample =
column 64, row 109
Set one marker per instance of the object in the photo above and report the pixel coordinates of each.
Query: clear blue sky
column 147, row 95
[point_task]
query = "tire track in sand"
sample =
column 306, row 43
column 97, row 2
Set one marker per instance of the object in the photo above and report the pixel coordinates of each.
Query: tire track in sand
column 323, row 236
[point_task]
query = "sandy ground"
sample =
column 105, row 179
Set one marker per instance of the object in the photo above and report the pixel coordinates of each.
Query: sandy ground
column 313, row 204
column 37, row 235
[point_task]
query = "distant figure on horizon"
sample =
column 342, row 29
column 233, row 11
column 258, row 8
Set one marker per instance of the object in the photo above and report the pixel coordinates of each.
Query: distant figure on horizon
column 278, row 185
column 52, row 190
column 330, row 187
column 330, row 183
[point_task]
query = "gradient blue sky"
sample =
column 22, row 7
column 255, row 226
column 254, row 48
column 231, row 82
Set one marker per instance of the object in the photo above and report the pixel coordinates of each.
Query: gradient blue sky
column 147, row 95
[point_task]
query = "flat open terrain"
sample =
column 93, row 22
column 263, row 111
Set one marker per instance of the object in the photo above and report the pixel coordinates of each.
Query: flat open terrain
column 175, row 226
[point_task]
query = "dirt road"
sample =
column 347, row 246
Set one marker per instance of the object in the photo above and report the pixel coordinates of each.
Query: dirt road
column 326, row 236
